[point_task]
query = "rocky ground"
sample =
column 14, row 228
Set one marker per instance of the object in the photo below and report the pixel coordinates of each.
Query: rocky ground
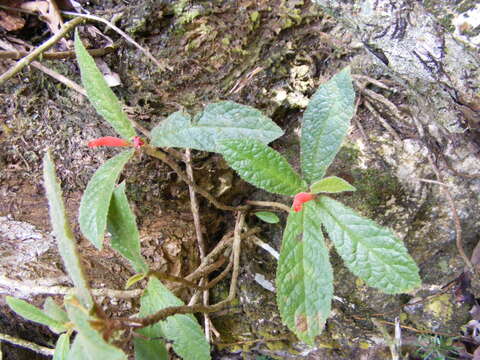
column 412, row 153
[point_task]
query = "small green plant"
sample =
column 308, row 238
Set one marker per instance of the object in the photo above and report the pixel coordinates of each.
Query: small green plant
column 436, row 348
column 241, row 134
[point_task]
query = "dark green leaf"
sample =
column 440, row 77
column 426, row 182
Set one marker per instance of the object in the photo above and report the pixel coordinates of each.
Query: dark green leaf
column 304, row 275
column 331, row 184
column 370, row 251
column 62, row 348
column 99, row 93
column 262, row 166
column 267, row 216
column 91, row 340
column 188, row 338
column 149, row 349
column 121, row 223
column 219, row 121
column 63, row 233
column 33, row 313
column 96, row 198
column 325, row 124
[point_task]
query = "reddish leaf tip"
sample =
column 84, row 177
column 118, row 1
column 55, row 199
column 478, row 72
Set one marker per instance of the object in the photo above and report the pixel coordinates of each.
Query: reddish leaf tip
column 300, row 199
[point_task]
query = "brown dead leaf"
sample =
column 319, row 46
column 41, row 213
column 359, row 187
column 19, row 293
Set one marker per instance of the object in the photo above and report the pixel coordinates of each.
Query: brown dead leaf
column 11, row 20
column 48, row 10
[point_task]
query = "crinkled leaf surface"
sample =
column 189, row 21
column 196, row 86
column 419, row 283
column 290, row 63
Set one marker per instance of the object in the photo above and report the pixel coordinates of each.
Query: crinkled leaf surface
column 62, row 347
column 149, row 349
column 63, row 233
column 304, row 275
column 331, row 184
column 96, row 198
column 370, row 251
column 262, row 166
column 51, row 308
column 267, row 216
column 188, row 338
column 91, row 340
column 325, row 124
column 33, row 313
column 121, row 223
column 99, row 93
column 218, row 121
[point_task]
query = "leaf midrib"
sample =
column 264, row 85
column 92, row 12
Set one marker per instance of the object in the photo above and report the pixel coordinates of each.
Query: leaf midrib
column 359, row 242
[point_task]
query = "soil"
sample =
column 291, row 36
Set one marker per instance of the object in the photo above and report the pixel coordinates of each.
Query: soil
column 269, row 54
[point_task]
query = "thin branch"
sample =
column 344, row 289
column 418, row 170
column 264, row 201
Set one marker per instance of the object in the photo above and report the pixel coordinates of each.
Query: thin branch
column 57, row 55
column 385, row 124
column 456, row 218
column 189, row 309
column 28, row 289
column 27, row 344
column 57, row 76
column 61, row 78
column 149, row 150
column 198, row 232
column 39, row 50
column 270, row 204
column 161, row 66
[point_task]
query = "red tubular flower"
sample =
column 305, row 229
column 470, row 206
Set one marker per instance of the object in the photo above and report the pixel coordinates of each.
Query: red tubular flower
column 109, row 141
column 301, row 198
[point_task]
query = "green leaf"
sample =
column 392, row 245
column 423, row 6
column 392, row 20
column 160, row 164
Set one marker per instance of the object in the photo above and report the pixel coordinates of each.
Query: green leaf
column 132, row 280
column 149, row 349
column 325, row 124
column 63, row 233
column 262, row 166
column 304, row 275
column 331, row 184
column 51, row 308
column 99, row 93
column 370, row 251
column 96, row 198
column 62, row 348
column 219, row 121
column 267, row 216
column 78, row 351
column 121, row 223
column 33, row 313
column 91, row 340
column 188, row 338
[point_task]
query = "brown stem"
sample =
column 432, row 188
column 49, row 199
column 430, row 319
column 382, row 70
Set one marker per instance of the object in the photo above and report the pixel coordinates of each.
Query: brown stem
column 150, row 150
column 456, row 218
column 188, row 309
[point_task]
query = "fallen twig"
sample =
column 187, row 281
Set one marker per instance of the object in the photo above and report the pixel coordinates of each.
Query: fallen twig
column 57, row 55
column 189, row 309
column 39, row 50
column 28, row 289
column 456, row 218
column 27, row 344
column 161, row 66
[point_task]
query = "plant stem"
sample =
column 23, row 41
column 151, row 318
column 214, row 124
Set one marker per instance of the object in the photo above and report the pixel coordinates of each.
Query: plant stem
column 184, row 177
column 188, row 309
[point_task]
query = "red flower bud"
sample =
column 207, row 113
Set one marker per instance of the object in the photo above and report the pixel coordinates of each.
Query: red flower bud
column 301, row 198
column 137, row 142
column 108, row 141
